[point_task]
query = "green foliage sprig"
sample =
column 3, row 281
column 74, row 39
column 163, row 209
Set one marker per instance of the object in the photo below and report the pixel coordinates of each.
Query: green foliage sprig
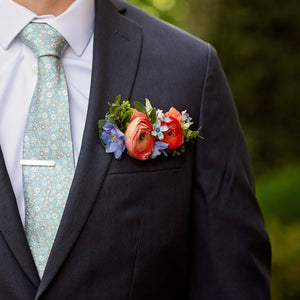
column 119, row 113
column 191, row 135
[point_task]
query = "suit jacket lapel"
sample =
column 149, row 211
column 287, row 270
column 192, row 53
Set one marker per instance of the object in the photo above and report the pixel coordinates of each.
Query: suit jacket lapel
column 117, row 47
column 11, row 226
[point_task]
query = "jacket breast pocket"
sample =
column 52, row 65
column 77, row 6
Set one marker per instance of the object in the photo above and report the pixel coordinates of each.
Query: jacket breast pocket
column 128, row 165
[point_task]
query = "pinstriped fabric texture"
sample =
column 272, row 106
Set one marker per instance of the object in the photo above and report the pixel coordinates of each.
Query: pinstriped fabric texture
column 47, row 137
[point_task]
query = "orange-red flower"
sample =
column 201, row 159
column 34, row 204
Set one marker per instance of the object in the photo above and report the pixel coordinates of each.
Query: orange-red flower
column 174, row 135
column 139, row 140
column 173, row 112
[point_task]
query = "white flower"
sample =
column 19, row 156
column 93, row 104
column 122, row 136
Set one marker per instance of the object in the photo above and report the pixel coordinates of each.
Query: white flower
column 161, row 117
column 185, row 117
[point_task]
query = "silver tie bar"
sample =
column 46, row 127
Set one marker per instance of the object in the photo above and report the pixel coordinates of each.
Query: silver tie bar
column 36, row 162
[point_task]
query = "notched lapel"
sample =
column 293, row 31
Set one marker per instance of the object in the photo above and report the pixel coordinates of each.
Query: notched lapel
column 117, row 48
column 11, row 226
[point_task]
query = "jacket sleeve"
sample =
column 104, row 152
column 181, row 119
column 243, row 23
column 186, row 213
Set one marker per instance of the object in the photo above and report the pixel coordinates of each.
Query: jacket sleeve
column 230, row 249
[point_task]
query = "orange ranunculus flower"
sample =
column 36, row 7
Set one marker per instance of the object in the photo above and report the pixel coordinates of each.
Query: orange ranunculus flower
column 139, row 140
column 136, row 114
column 174, row 135
column 173, row 112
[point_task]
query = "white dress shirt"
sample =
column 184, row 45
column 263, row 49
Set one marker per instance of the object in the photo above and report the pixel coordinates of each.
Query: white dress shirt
column 18, row 76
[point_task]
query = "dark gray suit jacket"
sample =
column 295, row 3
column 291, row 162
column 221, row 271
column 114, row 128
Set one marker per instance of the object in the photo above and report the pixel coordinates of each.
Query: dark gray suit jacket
column 169, row 228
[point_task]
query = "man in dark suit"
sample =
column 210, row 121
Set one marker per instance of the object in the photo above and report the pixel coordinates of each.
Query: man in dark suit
column 186, row 227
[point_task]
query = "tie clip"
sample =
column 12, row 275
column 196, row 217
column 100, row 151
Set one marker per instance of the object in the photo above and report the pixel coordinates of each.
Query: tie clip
column 36, row 162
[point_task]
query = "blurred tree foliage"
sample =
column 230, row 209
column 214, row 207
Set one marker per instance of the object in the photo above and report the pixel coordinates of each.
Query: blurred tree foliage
column 279, row 194
column 285, row 240
column 258, row 42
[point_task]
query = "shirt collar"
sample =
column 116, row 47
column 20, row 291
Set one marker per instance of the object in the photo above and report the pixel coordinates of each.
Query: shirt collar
column 76, row 24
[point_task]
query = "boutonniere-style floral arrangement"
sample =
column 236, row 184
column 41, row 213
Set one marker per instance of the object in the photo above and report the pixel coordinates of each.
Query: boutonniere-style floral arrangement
column 145, row 131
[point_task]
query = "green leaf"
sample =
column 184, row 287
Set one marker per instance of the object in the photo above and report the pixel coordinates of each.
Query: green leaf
column 118, row 99
column 152, row 116
column 139, row 107
column 101, row 123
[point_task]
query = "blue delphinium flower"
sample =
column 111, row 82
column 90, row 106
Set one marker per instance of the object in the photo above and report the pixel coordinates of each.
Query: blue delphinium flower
column 114, row 139
column 158, row 130
column 159, row 148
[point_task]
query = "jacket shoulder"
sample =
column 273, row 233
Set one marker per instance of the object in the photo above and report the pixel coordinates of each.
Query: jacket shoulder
column 159, row 33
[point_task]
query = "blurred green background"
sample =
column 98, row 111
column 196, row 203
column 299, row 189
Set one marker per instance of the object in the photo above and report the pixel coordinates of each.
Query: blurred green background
column 258, row 44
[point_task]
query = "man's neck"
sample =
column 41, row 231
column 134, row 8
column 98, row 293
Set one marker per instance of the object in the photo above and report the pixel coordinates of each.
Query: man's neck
column 46, row 7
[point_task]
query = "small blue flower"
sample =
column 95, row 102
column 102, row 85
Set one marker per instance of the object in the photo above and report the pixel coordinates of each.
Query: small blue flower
column 158, row 130
column 159, row 148
column 114, row 139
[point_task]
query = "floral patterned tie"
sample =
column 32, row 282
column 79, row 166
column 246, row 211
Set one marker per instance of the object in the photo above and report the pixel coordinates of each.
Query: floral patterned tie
column 48, row 162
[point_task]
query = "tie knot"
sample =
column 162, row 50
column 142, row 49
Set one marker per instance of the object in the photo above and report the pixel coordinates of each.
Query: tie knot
column 43, row 39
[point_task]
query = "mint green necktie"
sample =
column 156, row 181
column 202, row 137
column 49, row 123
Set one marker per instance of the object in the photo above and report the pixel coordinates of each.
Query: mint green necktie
column 48, row 162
